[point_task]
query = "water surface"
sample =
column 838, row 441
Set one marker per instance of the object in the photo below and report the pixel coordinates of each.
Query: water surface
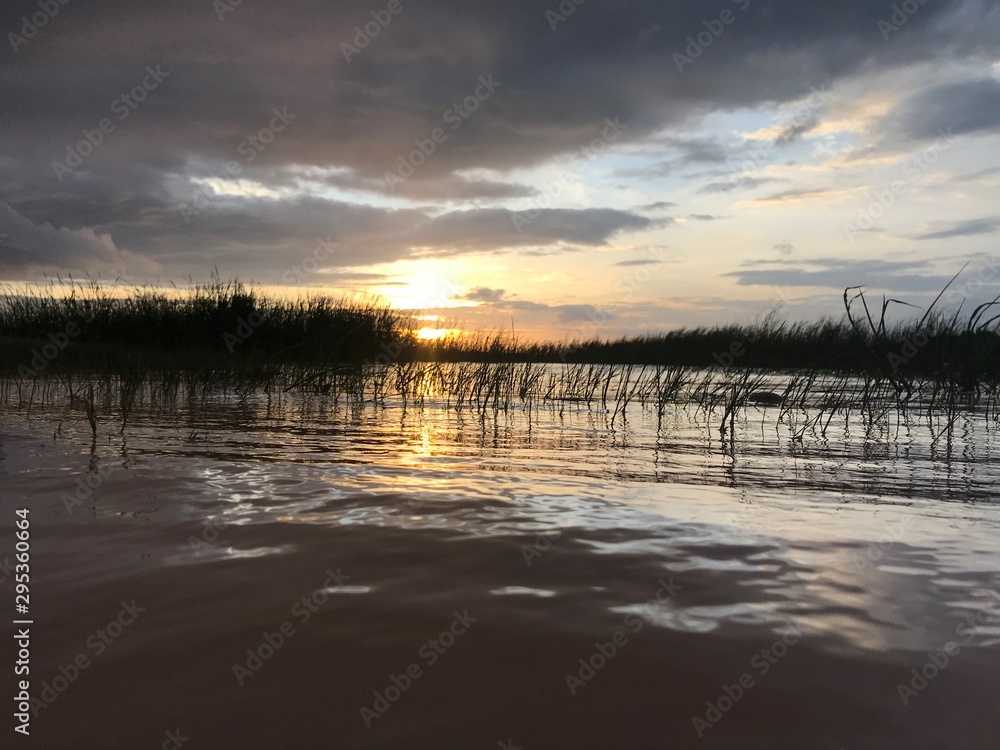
column 319, row 574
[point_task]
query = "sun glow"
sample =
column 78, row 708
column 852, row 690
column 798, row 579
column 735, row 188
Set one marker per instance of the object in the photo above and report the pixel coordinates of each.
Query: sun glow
column 436, row 334
column 423, row 292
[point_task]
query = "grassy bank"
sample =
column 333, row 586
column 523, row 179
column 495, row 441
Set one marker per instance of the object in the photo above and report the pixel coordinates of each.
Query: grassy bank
column 227, row 325
column 108, row 354
column 218, row 324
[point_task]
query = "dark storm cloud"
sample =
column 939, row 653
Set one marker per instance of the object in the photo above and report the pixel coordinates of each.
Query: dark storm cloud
column 491, row 228
column 954, row 108
column 43, row 247
column 264, row 237
column 269, row 87
column 365, row 112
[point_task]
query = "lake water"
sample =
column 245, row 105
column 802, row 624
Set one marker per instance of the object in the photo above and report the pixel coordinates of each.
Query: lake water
column 318, row 573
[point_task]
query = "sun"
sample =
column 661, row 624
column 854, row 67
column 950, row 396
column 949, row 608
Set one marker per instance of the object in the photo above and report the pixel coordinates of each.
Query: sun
column 437, row 334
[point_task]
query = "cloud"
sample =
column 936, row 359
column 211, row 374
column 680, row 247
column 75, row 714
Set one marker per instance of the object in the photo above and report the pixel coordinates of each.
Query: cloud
column 578, row 313
column 484, row 294
column 451, row 187
column 968, row 228
column 264, row 236
column 225, row 77
column 737, row 183
column 493, row 228
column 798, row 195
column 352, row 120
column 25, row 245
column 979, row 176
column 793, row 132
column 640, row 262
column 839, row 274
column 658, row 206
column 686, row 151
column 954, row 108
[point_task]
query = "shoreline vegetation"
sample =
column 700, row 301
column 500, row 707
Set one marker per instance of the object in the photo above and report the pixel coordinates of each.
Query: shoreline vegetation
column 230, row 324
column 227, row 337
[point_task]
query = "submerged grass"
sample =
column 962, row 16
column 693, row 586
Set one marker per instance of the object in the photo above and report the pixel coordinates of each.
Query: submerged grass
column 807, row 403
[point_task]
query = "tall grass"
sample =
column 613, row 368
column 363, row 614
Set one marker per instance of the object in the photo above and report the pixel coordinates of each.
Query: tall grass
column 215, row 326
column 218, row 317
column 965, row 348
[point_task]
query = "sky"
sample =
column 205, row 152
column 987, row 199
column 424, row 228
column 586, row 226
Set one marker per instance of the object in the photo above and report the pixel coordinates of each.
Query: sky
column 571, row 169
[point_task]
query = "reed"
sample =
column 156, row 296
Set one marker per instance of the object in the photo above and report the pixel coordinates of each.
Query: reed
column 219, row 325
column 220, row 319
column 154, row 348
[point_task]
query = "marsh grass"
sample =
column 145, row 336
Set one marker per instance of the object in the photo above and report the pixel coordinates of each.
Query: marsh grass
column 219, row 324
column 811, row 401
column 218, row 320
column 226, row 340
